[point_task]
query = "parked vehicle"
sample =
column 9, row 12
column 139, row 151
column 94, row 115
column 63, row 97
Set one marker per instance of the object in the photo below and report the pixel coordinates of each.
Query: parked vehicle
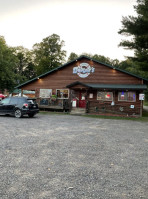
column 19, row 106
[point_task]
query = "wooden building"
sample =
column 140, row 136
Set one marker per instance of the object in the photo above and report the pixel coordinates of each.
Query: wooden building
column 89, row 85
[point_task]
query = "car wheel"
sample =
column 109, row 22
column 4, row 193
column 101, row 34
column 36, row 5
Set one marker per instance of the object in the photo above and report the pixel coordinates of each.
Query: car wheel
column 31, row 114
column 18, row 113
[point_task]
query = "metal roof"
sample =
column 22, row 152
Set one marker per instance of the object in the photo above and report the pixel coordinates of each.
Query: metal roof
column 119, row 86
column 110, row 86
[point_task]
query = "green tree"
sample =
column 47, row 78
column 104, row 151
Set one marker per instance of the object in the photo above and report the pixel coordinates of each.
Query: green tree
column 7, row 66
column 72, row 56
column 137, row 28
column 25, row 68
column 49, row 54
column 106, row 60
column 101, row 58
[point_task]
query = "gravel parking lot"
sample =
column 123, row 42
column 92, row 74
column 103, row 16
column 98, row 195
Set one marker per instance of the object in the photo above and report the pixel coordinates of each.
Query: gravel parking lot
column 73, row 157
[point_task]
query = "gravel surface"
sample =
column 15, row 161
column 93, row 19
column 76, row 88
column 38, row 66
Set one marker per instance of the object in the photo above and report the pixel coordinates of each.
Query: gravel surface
column 73, row 157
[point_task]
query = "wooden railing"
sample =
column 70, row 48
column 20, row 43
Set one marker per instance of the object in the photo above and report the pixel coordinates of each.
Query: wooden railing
column 63, row 104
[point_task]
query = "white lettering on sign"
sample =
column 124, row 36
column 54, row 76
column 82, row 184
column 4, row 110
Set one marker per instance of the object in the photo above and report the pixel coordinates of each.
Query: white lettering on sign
column 83, row 70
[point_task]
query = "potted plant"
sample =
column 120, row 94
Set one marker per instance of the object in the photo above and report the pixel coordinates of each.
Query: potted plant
column 53, row 97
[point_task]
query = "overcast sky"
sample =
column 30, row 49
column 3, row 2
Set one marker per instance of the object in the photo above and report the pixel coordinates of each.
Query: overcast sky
column 89, row 26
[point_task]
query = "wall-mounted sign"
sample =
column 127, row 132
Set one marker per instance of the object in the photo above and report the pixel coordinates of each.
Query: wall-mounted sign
column 90, row 95
column 141, row 96
column 74, row 103
column 132, row 106
column 83, row 70
column 45, row 93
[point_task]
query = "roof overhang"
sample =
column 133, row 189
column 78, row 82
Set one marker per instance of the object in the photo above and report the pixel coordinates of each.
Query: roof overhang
column 110, row 86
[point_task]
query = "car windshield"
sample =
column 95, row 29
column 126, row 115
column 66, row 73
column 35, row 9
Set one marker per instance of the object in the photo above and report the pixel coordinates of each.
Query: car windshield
column 5, row 101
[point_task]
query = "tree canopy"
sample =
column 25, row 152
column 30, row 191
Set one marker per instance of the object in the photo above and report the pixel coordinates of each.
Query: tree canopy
column 16, row 65
column 20, row 64
column 72, row 56
column 49, row 53
column 25, row 68
column 137, row 28
column 7, row 65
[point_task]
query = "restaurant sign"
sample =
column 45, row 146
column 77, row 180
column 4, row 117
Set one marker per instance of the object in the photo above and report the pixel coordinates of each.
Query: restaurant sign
column 83, row 70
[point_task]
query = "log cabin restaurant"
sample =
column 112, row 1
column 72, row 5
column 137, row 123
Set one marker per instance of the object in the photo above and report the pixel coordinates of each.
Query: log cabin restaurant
column 85, row 85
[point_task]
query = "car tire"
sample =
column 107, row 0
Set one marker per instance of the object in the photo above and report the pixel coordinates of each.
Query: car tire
column 31, row 115
column 18, row 113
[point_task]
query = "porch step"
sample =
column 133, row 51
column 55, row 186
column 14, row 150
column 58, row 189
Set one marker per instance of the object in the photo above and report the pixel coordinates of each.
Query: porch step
column 78, row 111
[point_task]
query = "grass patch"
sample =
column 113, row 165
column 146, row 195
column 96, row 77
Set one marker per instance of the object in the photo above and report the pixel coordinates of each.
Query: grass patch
column 145, row 103
column 144, row 117
column 145, row 114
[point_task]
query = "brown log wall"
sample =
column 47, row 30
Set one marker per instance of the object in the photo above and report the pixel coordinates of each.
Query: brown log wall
column 64, row 76
column 120, row 107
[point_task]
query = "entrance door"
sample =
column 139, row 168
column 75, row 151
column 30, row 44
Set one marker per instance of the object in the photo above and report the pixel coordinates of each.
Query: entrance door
column 82, row 100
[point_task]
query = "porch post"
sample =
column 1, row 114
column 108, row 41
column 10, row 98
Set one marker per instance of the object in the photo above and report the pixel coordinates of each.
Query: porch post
column 21, row 92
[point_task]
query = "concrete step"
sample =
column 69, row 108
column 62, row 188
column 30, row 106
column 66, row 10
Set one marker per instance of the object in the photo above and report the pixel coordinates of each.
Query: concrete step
column 78, row 111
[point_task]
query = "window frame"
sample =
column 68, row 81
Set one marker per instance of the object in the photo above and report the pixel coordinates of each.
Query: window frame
column 127, row 98
column 105, row 99
column 62, row 97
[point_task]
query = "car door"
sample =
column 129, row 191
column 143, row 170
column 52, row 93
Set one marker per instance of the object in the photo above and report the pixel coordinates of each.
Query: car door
column 4, row 105
column 12, row 104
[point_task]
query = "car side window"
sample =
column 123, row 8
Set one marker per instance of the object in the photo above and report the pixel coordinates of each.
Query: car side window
column 21, row 100
column 5, row 101
column 13, row 100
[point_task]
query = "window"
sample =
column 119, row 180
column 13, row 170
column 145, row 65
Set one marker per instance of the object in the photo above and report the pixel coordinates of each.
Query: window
column 131, row 96
column 21, row 100
column 5, row 101
column 127, row 96
column 122, row 96
column 14, row 100
column 62, row 93
column 105, row 96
